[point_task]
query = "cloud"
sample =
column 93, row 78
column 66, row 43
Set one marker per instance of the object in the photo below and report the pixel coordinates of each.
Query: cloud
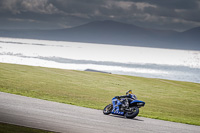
column 36, row 6
column 172, row 4
column 39, row 6
column 67, row 13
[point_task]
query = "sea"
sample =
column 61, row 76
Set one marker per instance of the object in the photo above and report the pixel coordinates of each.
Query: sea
column 172, row 64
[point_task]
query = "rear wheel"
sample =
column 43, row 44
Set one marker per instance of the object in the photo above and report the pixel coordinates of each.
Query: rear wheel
column 133, row 113
column 108, row 109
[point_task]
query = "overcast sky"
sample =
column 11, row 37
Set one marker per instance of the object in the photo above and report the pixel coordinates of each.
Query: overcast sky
column 52, row 14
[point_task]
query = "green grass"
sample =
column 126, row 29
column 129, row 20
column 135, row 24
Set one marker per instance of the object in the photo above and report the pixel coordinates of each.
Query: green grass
column 165, row 99
column 10, row 128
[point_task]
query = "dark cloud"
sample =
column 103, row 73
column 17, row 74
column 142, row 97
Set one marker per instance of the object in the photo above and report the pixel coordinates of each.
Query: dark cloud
column 161, row 14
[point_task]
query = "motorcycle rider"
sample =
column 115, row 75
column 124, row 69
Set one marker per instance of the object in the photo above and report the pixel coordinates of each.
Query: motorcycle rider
column 119, row 102
column 129, row 94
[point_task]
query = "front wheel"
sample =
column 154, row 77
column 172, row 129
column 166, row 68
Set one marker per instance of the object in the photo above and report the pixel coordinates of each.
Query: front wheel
column 108, row 109
column 134, row 112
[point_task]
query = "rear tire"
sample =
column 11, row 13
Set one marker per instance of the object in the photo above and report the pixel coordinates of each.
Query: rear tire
column 108, row 109
column 133, row 114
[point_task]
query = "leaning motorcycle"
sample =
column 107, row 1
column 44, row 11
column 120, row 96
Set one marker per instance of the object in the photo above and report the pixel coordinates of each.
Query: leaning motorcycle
column 128, row 107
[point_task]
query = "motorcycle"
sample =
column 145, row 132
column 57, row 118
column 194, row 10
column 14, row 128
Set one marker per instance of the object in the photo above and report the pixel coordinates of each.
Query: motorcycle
column 125, row 106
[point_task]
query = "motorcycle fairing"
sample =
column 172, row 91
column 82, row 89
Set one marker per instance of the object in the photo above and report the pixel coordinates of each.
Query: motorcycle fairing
column 137, row 103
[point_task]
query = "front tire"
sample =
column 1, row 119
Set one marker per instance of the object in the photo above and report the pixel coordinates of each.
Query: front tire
column 133, row 114
column 108, row 109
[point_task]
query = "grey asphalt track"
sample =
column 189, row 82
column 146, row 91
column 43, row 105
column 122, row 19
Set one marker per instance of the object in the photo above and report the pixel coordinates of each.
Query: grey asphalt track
column 58, row 117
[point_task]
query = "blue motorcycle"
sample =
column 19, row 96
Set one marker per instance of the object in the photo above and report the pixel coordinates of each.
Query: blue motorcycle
column 127, row 106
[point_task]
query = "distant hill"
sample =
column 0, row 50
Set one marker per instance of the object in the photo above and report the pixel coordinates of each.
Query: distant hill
column 117, row 33
column 193, row 33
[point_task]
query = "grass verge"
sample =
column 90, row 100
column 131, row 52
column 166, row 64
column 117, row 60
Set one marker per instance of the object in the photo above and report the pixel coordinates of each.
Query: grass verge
column 10, row 128
column 165, row 99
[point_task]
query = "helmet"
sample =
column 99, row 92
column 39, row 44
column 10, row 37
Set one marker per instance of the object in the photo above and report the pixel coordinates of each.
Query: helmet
column 129, row 92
